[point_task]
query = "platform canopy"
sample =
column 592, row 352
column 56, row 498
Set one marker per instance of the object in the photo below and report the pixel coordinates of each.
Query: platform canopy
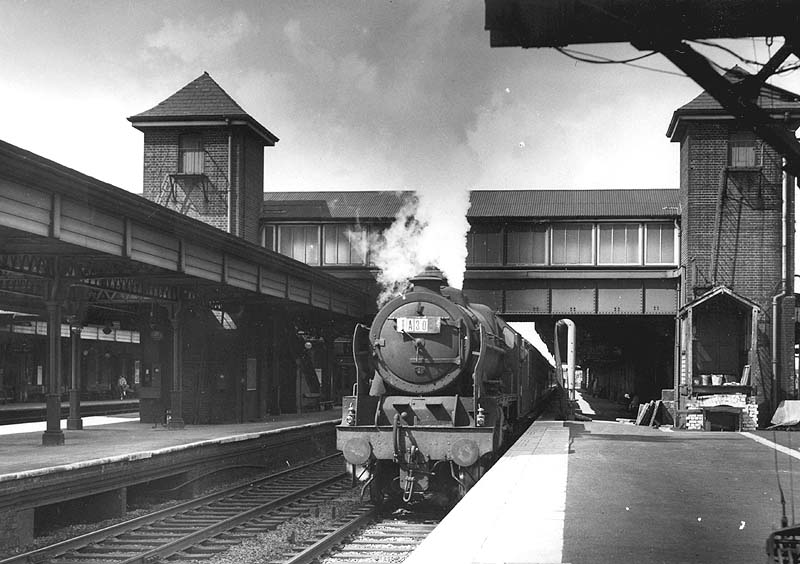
column 66, row 236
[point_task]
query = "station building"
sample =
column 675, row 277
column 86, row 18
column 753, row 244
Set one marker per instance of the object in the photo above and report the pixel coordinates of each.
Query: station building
column 678, row 294
column 682, row 294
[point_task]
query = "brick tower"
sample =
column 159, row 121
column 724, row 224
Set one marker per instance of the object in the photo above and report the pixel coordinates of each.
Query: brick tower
column 736, row 245
column 204, row 157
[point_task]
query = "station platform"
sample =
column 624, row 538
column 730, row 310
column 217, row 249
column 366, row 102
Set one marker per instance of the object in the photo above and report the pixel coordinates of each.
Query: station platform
column 24, row 412
column 113, row 459
column 610, row 492
column 106, row 438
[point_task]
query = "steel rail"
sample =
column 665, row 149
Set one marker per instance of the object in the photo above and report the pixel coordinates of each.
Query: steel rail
column 194, row 538
column 334, row 538
column 60, row 548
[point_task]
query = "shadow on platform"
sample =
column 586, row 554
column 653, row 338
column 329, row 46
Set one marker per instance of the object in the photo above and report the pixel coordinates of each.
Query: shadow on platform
column 601, row 409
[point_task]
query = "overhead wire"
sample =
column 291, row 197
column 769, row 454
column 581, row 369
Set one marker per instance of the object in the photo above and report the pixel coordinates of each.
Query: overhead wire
column 600, row 60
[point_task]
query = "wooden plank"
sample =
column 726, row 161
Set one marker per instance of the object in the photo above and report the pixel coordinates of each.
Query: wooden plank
column 299, row 290
column 645, row 413
column 203, row 262
column 24, row 208
column 153, row 247
column 242, row 274
column 91, row 228
column 339, row 303
column 320, row 297
column 55, row 217
column 273, row 283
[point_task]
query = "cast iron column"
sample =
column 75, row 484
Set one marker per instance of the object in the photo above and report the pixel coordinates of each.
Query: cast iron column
column 53, row 435
column 74, row 421
column 176, row 395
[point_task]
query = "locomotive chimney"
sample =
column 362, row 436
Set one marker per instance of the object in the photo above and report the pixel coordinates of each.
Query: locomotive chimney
column 430, row 279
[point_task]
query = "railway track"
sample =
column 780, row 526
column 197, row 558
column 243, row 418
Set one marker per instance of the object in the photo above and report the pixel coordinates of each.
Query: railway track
column 364, row 537
column 203, row 527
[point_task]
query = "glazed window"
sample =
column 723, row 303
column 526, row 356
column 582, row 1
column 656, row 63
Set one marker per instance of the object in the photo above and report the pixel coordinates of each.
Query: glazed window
column 526, row 244
column 572, row 243
column 268, row 237
column 660, row 243
column 742, row 150
column 191, row 156
column 618, row 243
column 484, row 245
column 301, row 242
column 345, row 244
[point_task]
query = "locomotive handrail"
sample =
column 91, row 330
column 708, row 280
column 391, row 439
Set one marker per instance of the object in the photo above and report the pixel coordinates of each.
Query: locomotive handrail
column 476, row 385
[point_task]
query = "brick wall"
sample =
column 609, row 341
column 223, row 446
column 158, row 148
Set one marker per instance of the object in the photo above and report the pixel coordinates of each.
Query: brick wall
column 748, row 256
column 206, row 198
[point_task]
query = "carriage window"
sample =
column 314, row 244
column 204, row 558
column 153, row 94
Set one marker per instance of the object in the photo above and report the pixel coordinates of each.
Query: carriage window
column 345, row 244
column 660, row 241
column 301, row 242
column 484, row 245
column 190, row 154
column 527, row 244
column 572, row 243
column 618, row 243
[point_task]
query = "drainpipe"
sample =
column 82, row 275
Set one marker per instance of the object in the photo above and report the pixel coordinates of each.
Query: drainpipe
column 786, row 285
column 230, row 171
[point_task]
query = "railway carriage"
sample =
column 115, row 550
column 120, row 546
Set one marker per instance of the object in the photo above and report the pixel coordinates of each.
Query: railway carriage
column 441, row 387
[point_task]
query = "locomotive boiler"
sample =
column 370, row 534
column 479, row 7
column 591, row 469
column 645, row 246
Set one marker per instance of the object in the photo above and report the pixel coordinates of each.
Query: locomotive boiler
column 441, row 386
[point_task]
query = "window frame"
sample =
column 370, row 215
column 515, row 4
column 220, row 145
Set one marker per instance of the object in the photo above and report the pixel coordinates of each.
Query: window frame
column 486, row 229
column 305, row 226
column 352, row 227
column 268, row 234
column 675, row 243
column 592, row 243
column 514, row 228
column 637, row 227
column 197, row 150
column 738, row 142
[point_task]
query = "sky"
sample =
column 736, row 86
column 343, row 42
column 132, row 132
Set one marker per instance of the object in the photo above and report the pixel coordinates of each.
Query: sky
column 364, row 95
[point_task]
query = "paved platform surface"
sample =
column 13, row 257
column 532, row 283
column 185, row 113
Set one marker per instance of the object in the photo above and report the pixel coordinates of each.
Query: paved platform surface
column 609, row 492
column 102, row 438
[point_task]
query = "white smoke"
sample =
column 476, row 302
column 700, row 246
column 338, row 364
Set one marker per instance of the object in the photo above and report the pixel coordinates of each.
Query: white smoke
column 429, row 230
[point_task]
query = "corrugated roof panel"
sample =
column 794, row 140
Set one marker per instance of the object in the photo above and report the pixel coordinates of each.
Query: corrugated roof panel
column 645, row 203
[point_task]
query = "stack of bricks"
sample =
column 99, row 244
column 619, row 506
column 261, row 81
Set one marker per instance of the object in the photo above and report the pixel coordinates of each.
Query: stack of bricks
column 695, row 419
column 750, row 415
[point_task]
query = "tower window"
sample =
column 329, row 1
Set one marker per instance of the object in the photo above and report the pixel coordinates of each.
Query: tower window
column 190, row 154
column 742, row 150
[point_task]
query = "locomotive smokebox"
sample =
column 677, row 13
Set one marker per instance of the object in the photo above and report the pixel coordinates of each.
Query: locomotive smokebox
column 423, row 340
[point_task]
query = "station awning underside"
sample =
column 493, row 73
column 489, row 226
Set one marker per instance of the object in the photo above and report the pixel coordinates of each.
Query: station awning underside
column 66, row 236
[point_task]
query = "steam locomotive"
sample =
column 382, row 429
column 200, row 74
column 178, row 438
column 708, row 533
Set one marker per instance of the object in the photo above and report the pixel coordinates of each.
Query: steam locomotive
column 441, row 387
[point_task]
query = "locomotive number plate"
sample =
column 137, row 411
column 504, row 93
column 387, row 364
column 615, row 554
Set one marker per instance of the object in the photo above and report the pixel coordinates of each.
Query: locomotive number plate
column 419, row 324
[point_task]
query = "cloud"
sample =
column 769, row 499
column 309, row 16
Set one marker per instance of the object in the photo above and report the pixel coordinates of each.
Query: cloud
column 341, row 74
column 201, row 41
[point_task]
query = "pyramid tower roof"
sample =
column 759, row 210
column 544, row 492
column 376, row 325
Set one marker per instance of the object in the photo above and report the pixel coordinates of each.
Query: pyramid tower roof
column 777, row 102
column 201, row 102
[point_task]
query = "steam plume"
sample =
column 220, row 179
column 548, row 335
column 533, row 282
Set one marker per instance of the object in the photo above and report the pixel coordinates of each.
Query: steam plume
column 429, row 230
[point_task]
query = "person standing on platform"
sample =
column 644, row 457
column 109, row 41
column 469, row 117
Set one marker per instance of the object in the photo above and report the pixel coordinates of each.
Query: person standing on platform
column 123, row 387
